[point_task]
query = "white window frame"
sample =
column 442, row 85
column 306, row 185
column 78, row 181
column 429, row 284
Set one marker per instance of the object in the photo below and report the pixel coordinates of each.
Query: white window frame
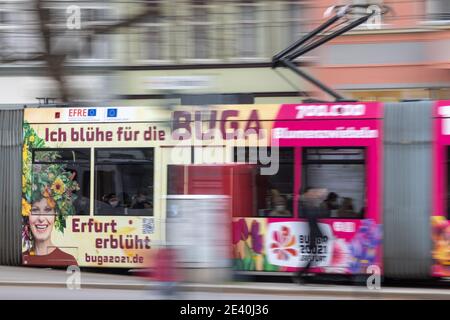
column 142, row 27
column 19, row 31
column 212, row 33
column 287, row 21
column 430, row 11
column 113, row 13
column 6, row 27
column 259, row 22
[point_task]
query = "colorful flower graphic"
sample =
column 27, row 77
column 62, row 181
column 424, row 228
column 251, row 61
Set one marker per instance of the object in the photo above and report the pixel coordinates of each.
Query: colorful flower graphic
column 26, row 233
column 283, row 245
column 26, row 208
column 257, row 239
column 240, row 237
column 363, row 247
column 248, row 245
column 58, row 186
column 236, row 236
column 341, row 257
column 240, row 231
column 24, row 153
column 243, row 229
column 441, row 245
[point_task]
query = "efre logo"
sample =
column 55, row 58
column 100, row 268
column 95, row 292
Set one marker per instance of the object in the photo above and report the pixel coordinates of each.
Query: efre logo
column 82, row 112
column 111, row 113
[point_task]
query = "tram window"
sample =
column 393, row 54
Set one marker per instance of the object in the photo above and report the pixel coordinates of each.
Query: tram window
column 47, row 156
column 124, row 181
column 274, row 192
column 75, row 161
column 342, row 172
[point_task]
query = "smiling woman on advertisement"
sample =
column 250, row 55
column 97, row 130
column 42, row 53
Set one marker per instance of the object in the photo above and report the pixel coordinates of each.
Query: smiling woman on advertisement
column 47, row 199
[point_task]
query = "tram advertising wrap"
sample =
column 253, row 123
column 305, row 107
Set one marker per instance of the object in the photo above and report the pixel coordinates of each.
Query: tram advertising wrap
column 88, row 191
column 94, row 182
column 342, row 154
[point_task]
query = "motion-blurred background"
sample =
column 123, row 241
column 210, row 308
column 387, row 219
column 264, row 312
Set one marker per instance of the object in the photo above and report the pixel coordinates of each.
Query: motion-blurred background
column 176, row 51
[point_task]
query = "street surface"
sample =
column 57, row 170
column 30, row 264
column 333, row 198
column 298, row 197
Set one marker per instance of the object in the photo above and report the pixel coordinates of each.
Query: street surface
column 34, row 283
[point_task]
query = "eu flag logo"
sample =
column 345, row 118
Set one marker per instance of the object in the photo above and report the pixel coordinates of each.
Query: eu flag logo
column 92, row 112
column 112, row 113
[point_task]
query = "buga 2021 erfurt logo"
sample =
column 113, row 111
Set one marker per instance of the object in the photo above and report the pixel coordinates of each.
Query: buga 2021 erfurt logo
column 287, row 245
column 283, row 245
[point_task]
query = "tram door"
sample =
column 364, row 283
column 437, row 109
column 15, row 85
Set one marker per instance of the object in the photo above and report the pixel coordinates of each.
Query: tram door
column 234, row 181
column 168, row 157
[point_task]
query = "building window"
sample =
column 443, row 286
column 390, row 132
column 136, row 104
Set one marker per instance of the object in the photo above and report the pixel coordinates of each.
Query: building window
column 74, row 161
column 293, row 13
column 5, row 30
column 154, row 33
column 273, row 194
column 342, row 172
column 438, row 10
column 124, row 181
column 83, row 43
column 366, row 3
column 94, row 46
column 375, row 21
column 18, row 36
column 201, row 25
column 248, row 26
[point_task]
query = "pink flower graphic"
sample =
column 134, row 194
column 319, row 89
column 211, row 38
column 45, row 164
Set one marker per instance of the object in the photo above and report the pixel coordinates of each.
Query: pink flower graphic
column 340, row 254
column 283, row 244
column 340, row 259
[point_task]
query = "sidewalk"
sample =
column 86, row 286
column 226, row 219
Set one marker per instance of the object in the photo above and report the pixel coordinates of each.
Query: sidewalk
column 26, row 276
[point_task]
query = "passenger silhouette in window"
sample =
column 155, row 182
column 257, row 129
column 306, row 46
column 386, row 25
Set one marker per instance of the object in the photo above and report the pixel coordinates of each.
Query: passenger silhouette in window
column 279, row 205
column 141, row 201
column 347, row 209
column 330, row 204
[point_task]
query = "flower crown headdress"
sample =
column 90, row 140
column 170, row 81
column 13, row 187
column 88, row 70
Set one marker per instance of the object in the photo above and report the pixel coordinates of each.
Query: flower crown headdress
column 49, row 181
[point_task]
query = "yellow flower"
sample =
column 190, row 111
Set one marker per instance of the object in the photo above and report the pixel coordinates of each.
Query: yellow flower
column 58, row 186
column 26, row 208
column 31, row 139
column 441, row 252
column 24, row 153
column 259, row 262
column 24, row 182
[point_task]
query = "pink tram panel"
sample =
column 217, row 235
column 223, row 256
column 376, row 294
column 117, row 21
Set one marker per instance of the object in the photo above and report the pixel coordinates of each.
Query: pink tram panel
column 337, row 146
column 439, row 217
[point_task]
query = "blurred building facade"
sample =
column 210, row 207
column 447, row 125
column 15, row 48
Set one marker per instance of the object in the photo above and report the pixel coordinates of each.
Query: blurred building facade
column 185, row 49
column 24, row 76
column 219, row 48
column 406, row 57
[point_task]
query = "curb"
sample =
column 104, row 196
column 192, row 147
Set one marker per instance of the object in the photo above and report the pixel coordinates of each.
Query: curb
column 349, row 292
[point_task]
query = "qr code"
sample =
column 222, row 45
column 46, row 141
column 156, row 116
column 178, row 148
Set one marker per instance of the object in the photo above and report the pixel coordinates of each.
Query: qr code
column 148, row 225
